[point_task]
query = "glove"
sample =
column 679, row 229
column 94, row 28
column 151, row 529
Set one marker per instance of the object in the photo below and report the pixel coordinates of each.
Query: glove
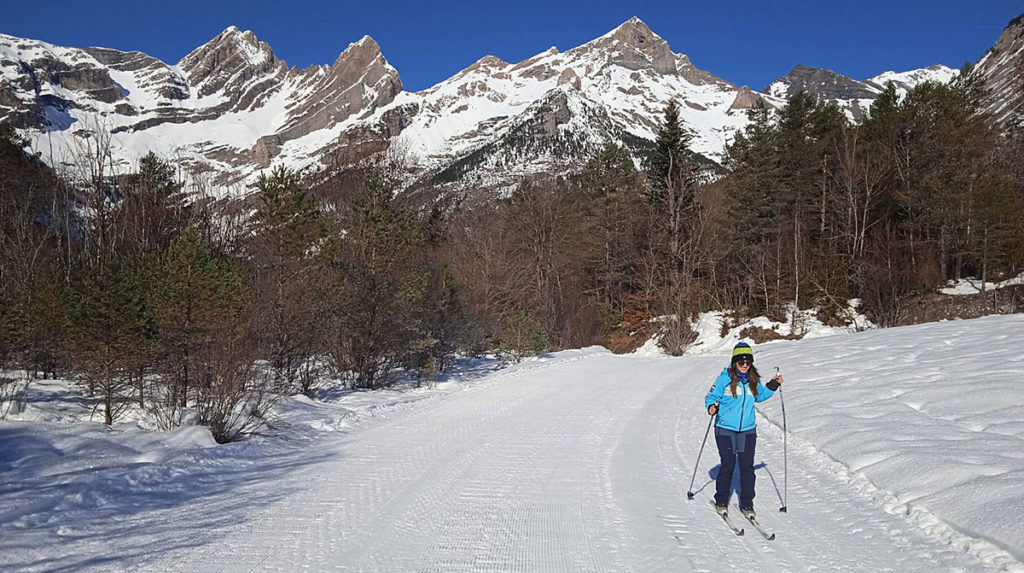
column 712, row 409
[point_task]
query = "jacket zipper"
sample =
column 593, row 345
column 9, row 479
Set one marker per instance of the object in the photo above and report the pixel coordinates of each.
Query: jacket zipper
column 743, row 403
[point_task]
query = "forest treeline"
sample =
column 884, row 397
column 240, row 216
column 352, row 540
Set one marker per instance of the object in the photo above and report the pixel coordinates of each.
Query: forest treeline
column 154, row 296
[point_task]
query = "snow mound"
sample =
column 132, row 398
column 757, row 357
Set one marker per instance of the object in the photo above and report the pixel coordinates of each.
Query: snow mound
column 969, row 286
column 804, row 324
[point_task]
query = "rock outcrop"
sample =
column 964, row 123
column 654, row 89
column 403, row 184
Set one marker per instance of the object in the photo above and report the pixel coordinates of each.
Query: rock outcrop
column 745, row 99
column 1001, row 70
column 824, row 84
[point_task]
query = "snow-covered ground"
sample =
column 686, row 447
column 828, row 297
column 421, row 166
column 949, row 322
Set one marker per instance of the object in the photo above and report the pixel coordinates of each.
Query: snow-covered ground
column 973, row 285
column 904, row 454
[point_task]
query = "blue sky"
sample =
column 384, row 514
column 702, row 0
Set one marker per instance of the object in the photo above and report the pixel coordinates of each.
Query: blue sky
column 745, row 42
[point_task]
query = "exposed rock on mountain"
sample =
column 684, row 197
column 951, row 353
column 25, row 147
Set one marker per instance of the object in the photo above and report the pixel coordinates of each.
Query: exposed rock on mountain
column 231, row 106
column 852, row 96
column 358, row 82
column 635, row 47
column 1002, row 72
column 745, row 99
column 494, row 122
column 235, row 66
column 825, row 84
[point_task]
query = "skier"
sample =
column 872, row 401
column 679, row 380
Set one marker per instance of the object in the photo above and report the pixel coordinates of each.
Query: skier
column 732, row 399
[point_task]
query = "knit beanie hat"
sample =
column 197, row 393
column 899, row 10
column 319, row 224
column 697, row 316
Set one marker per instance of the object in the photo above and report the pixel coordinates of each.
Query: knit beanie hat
column 742, row 349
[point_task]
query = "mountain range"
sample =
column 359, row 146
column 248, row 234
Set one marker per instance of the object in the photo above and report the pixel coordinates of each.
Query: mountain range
column 231, row 108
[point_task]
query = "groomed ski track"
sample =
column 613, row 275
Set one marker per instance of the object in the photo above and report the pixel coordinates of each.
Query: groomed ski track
column 580, row 462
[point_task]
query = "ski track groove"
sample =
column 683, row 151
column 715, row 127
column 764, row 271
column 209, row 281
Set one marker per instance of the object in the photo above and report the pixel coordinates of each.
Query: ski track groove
column 553, row 467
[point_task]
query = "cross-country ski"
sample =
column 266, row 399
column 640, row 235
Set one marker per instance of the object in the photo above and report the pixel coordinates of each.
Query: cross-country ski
column 757, row 526
column 727, row 519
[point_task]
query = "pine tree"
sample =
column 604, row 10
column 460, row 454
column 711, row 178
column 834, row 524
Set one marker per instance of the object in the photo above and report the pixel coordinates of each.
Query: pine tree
column 107, row 321
column 616, row 224
column 673, row 177
column 284, row 231
column 197, row 299
column 154, row 209
column 373, row 289
column 671, row 169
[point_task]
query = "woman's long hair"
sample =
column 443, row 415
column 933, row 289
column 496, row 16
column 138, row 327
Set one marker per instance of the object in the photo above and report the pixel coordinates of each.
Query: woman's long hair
column 754, row 378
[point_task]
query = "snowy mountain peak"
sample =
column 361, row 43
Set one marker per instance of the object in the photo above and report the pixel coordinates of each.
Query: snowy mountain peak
column 234, row 42
column 364, row 43
column 231, row 107
column 234, row 62
column 904, row 81
column 489, row 61
column 633, row 45
column 634, row 32
column 819, row 82
column 366, row 51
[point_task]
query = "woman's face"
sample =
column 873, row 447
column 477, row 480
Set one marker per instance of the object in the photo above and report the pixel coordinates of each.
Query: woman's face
column 743, row 365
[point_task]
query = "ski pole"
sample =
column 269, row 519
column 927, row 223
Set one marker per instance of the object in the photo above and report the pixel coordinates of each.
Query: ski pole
column 785, row 452
column 689, row 494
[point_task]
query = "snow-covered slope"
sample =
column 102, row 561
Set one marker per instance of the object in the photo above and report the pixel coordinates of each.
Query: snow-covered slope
column 903, row 454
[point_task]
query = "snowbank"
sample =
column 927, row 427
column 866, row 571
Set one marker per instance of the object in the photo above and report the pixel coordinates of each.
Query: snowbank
column 712, row 340
column 928, row 419
column 973, row 286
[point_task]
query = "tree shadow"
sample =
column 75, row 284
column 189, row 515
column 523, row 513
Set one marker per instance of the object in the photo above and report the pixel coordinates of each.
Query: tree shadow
column 464, row 369
column 99, row 504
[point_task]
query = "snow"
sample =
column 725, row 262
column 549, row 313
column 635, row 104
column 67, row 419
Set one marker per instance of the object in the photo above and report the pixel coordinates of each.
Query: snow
column 803, row 324
column 250, row 50
column 903, row 454
column 967, row 286
column 710, row 339
column 937, row 73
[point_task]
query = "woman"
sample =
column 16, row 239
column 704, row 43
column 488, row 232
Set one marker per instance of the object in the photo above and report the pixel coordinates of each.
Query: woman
column 732, row 398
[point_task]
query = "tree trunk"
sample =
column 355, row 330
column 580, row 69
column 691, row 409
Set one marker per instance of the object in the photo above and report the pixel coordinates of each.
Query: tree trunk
column 796, row 268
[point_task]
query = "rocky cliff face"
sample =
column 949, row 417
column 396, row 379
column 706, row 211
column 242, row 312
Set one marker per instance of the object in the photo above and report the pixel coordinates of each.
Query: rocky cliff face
column 1002, row 71
column 822, row 83
column 358, row 82
column 235, row 70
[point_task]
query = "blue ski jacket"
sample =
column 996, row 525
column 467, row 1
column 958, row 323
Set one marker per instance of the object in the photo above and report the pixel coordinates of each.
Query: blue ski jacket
column 736, row 413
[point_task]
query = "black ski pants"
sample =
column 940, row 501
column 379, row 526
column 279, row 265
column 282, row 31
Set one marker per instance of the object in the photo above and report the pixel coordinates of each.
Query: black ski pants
column 728, row 444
